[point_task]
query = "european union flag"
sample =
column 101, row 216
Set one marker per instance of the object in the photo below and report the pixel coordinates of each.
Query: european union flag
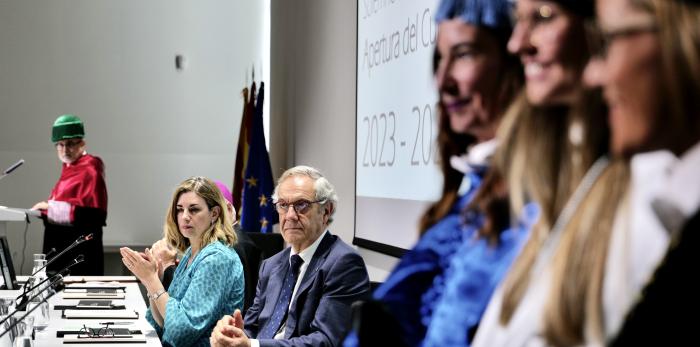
column 258, row 213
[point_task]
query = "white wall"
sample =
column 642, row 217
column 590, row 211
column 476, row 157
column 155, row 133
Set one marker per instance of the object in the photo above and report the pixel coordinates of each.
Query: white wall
column 313, row 105
column 112, row 63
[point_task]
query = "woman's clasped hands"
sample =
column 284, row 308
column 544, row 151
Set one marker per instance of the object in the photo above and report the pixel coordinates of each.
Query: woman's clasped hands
column 142, row 264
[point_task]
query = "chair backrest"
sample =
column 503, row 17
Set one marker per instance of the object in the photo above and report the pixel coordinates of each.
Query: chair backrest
column 253, row 248
column 268, row 243
column 374, row 325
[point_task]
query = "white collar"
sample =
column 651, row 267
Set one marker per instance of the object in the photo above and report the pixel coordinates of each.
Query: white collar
column 680, row 199
column 308, row 252
column 477, row 158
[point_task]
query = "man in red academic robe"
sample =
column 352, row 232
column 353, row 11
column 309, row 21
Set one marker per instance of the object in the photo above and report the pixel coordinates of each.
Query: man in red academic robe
column 78, row 202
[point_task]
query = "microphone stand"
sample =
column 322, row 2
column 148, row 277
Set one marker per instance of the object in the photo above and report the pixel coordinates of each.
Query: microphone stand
column 64, row 272
column 80, row 240
column 24, row 298
column 75, row 243
column 57, row 286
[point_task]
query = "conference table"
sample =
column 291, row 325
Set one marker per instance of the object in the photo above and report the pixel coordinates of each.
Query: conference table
column 132, row 301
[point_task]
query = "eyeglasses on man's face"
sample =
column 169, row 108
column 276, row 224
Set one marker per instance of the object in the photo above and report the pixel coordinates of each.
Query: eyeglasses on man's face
column 67, row 144
column 299, row 206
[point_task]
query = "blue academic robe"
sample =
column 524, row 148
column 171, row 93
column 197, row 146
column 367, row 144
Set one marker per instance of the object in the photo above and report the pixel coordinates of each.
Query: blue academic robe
column 441, row 287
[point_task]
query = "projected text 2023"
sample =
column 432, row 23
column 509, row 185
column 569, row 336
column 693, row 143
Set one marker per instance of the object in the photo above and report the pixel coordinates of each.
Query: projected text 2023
column 390, row 138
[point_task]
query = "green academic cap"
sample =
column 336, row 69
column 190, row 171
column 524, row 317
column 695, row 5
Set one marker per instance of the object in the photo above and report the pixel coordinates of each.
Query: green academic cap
column 67, row 126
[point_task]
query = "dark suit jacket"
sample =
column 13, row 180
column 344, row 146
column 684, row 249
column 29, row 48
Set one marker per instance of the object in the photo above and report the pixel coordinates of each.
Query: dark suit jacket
column 666, row 314
column 320, row 312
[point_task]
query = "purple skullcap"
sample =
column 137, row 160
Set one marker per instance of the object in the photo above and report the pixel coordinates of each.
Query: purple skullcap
column 224, row 191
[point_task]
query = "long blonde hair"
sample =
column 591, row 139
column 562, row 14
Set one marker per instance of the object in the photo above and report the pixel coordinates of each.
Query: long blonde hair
column 679, row 36
column 221, row 229
column 574, row 312
column 543, row 164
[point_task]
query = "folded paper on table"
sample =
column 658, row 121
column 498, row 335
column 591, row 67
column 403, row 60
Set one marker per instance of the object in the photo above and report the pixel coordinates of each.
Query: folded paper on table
column 74, row 307
column 85, row 289
column 116, row 331
column 85, row 279
column 100, row 314
column 132, row 338
column 96, row 284
column 69, row 296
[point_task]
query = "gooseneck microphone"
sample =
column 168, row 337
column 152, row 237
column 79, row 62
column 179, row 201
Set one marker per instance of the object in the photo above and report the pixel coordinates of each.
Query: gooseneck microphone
column 50, row 252
column 56, row 285
column 12, row 168
column 79, row 259
column 80, row 240
column 54, row 280
column 22, row 300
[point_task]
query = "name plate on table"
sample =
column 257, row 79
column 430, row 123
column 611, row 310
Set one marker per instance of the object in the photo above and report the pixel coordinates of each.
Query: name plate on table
column 100, row 314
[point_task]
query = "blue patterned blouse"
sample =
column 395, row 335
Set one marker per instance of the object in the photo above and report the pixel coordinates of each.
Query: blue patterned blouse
column 200, row 294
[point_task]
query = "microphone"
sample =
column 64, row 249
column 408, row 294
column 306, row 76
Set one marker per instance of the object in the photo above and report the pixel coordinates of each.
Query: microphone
column 63, row 272
column 22, row 300
column 79, row 259
column 50, row 252
column 56, row 285
column 22, row 305
column 12, row 168
column 80, row 240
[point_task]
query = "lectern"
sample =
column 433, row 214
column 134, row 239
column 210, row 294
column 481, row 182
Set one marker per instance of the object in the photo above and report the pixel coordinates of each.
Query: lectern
column 9, row 214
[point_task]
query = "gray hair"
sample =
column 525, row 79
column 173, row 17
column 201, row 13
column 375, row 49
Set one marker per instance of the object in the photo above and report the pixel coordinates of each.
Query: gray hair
column 324, row 190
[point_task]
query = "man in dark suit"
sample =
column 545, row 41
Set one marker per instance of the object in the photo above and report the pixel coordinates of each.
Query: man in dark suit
column 304, row 293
